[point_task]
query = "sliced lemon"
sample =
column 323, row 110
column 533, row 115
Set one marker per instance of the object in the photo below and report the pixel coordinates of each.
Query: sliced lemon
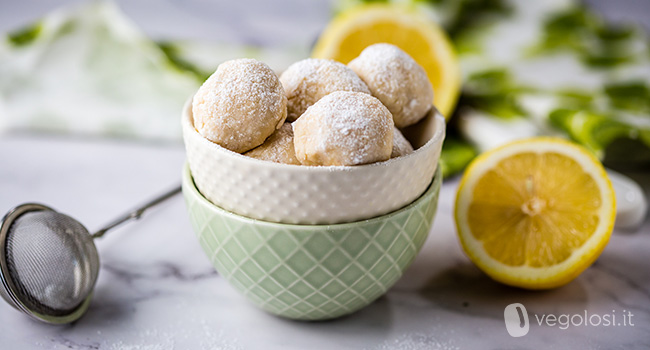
column 535, row 213
column 352, row 31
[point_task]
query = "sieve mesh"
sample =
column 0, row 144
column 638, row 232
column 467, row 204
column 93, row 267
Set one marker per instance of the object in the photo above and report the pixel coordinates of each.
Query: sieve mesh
column 52, row 261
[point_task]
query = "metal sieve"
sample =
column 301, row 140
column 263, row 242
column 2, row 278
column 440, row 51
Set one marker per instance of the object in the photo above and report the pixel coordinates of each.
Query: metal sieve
column 48, row 260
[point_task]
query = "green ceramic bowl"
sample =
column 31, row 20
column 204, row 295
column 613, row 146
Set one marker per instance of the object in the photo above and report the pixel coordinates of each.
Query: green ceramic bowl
column 311, row 272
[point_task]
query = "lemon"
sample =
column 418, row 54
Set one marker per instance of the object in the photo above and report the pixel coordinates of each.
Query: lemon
column 352, row 31
column 535, row 213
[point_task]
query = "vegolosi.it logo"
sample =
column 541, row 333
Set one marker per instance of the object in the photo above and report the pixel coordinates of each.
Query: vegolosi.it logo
column 518, row 325
column 516, row 318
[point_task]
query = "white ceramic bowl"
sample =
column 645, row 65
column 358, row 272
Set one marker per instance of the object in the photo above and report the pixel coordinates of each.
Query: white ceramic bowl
column 296, row 194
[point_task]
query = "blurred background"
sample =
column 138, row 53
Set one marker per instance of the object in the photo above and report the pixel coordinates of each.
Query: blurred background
column 123, row 69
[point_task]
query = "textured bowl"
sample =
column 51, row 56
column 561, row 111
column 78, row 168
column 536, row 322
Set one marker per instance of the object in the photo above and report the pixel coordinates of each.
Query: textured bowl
column 308, row 194
column 311, row 272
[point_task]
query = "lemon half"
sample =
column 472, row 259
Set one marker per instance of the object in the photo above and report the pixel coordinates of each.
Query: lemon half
column 354, row 30
column 535, row 213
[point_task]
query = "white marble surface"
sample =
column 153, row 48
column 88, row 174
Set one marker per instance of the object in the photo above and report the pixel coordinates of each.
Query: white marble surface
column 157, row 290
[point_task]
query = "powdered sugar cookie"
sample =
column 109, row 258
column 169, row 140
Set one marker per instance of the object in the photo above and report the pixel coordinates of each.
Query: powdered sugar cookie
column 307, row 81
column 401, row 146
column 399, row 82
column 344, row 128
column 277, row 148
column 240, row 105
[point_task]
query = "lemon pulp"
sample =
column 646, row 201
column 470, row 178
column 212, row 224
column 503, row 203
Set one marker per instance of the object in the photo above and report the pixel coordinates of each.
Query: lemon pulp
column 535, row 213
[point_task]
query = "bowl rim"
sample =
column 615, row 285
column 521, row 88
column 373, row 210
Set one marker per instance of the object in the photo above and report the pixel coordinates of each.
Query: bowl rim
column 189, row 185
column 436, row 138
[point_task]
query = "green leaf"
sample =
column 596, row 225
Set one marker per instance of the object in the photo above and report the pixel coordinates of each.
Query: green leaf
column 490, row 80
column 567, row 29
column 494, row 92
column 175, row 59
column 615, row 33
column 598, row 44
column 605, row 60
column 25, row 36
column 618, row 154
column 575, row 99
column 632, row 96
column 592, row 130
column 503, row 106
column 470, row 14
column 455, row 156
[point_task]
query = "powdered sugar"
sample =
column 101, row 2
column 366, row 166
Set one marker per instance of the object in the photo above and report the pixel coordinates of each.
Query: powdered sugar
column 401, row 146
column 244, row 102
column 309, row 80
column 396, row 80
column 344, row 128
column 277, row 148
column 240, row 105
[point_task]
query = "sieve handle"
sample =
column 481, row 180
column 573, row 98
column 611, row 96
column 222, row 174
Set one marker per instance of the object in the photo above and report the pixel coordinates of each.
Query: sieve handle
column 137, row 213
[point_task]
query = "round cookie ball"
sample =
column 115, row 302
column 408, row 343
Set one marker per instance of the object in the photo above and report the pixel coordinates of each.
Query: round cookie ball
column 344, row 128
column 399, row 82
column 309, row 80
column 277, row 148
column 240, row 105
column 401, row 146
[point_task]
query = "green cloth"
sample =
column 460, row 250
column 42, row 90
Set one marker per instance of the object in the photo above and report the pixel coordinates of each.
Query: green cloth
column 89, row 70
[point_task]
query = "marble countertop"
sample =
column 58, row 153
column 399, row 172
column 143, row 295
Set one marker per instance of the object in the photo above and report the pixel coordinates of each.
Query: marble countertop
column 157, row 290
